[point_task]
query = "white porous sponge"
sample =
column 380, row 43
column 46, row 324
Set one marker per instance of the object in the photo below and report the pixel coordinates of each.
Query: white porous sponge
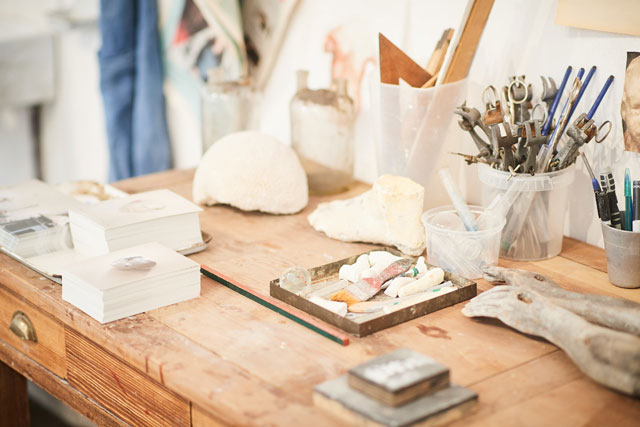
column 253, row 172
column 389, row 213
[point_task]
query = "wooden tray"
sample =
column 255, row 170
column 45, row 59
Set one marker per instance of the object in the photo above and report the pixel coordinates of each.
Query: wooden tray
column 367, row 323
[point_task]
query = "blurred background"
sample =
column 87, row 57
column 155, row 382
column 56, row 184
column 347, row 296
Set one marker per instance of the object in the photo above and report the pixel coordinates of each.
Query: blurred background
column 52, row 114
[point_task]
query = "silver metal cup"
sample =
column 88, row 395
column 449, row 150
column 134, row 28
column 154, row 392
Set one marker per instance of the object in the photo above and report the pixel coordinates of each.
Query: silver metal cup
column 623, row 256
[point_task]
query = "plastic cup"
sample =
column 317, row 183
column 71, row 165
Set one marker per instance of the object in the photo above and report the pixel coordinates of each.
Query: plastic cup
column 460, row 251
column 535, row 222
column 623, row 256
column 410, row 128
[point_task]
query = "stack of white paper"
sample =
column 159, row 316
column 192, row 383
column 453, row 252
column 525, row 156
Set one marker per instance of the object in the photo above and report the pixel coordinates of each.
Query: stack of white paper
column 108, row 293
column 34, row 220
column 160, row 215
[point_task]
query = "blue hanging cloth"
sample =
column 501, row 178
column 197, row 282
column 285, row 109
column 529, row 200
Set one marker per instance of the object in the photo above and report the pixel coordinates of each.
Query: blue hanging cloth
column 131, row 82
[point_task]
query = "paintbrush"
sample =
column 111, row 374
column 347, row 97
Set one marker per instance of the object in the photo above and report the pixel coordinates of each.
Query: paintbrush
column 365, row 289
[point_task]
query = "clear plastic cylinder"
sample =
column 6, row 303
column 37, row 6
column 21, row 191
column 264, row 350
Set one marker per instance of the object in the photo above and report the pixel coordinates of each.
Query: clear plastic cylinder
column 535, row 222
column 459, row 251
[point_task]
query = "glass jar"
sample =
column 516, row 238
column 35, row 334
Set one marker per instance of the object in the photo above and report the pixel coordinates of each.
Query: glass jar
column 322, row 134
column 226, row 108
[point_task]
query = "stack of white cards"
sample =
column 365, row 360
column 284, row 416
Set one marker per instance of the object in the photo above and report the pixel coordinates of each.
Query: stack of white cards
column 34, row 220
column 160, row 216
column 127, row 282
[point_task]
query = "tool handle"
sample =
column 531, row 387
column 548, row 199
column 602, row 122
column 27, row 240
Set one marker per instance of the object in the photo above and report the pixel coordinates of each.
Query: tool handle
column 556, row 101
column 596, row 104
column 582, row 89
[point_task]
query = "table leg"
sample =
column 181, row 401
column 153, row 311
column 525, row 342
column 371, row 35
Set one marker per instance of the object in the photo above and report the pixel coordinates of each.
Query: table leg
column 14, row 400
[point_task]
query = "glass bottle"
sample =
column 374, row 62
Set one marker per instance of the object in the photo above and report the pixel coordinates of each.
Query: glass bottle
column 226, row 108
column 322, row 124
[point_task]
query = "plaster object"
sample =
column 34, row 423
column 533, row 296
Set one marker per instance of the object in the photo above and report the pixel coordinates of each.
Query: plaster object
column 607, row 356
column 253, row 172
column 353, row 272
column 389, row 214
column 599, row 333
column 433, row 277
column 339, row 308
column 397, row 284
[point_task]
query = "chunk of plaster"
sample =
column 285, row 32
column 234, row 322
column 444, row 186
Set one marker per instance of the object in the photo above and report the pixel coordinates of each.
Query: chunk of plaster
column 369, row 273
column 253, row 172
column 382, row 257
column 421, row 266
column 397, row 284
column 389, row 213
column 431, row 278
column 339, row 308
column 353, row 272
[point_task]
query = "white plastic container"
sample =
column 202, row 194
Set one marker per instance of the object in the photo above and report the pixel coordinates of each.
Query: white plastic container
column 535, row 222
column 459, row 251
column 410, row 128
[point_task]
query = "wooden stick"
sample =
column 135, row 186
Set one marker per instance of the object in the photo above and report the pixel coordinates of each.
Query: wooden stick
column 465, row 50
column 437, row 57
column 277, row 306
column 431, row 82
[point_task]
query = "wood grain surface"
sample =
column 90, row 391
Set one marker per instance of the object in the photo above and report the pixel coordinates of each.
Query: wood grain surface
column 466, row 49
column 49, row 349
column 238, row 362
column 56, row 386
column 126, row 392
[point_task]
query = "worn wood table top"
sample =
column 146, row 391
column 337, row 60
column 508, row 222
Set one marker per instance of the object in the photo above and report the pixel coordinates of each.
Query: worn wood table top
column 238, row 362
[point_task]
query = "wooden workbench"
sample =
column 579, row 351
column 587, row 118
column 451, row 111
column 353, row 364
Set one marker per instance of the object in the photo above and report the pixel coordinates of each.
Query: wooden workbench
column 222, row 358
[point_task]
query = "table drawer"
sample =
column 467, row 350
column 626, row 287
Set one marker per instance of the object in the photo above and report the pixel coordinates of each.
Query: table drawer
column 126, row 392
column 34, row 333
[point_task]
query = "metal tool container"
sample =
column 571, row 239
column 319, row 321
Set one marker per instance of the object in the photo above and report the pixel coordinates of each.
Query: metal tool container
column 322, row 123
column 623, row 256
column 535, row 222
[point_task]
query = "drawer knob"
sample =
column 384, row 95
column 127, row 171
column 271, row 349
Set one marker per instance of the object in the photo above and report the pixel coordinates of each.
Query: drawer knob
column 22, row 327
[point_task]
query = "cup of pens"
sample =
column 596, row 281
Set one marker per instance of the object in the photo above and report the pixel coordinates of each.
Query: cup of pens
column 620, row 229
column 623, row 256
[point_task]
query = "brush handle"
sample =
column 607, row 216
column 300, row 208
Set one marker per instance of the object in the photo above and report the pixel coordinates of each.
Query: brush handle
column 582, row 89
column 395, row 269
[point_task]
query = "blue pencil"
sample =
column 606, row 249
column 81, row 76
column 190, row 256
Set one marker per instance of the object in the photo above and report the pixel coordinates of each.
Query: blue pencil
column 556, row 101
column 596, row 104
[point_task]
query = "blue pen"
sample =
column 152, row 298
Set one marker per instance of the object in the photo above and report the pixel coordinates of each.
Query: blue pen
column 556, row 101
column 596, row 104
column 602, row 201
column 546, row 151
column 628, row 203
